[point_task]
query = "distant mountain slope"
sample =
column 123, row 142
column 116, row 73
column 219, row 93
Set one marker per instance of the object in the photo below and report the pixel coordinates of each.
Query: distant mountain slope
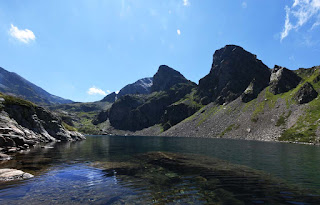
column 13, row 84
column 142, row 86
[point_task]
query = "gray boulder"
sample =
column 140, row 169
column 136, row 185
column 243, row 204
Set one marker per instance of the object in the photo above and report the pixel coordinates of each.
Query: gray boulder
column 13, row 174
column 305, row 94
column 282, row 80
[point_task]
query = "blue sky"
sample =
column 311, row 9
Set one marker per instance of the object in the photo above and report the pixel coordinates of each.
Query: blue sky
column 69, row 46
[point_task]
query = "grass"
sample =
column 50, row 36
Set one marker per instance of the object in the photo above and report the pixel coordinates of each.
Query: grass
column 211, row 112
column 281, row 121
column 10, row 100
column 305, row 128
column 228, row 129
column 68, row 127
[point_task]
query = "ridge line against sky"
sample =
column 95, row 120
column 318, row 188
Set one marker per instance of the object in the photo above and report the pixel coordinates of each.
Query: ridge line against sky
column 85, row 49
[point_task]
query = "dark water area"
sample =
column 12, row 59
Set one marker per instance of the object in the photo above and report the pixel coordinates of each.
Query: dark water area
column 160, row 170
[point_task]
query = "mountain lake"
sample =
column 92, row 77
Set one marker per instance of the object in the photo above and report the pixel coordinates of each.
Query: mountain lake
column 163, row 170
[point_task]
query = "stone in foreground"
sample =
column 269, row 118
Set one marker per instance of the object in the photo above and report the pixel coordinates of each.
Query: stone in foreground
column 13, row 174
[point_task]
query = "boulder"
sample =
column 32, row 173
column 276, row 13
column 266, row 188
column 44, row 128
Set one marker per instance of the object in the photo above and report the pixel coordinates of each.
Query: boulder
column 13, row 174
column 4, row 157
column 305, row 94
column 251, row 92
column 282, row 80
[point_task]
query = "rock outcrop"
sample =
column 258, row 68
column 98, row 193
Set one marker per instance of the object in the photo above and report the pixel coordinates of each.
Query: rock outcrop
column 283, row 80
column 305, row 94
column 22, row 124
column 177, row 112
column 232, row 71
column 135, row 112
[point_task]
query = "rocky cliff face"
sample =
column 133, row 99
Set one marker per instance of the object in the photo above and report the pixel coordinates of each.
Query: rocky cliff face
column 13, row 84
column 22, row 124
column 232, row 71
column 135, row 112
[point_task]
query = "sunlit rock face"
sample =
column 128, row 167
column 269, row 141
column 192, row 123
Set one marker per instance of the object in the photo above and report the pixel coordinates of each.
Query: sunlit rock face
column 232, row 71
column 283, row 80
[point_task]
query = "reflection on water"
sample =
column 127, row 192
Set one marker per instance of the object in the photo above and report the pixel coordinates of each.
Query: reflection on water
column 117, row 170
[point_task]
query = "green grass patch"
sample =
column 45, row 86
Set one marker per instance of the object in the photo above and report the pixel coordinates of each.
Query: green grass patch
column 281, row 121
column 209, row 113
column 228, row 129
column 68, row 127
column 10, row 100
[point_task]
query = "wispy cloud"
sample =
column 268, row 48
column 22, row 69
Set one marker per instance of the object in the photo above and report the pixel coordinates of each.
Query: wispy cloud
column 24, row 36
column 186, row 3
column 299, row 14
column 96, row 91
column 178, row 32
column 244, row 5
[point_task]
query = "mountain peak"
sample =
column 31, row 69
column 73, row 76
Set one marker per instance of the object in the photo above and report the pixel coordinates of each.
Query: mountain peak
column 232, row 71
column 166, row 77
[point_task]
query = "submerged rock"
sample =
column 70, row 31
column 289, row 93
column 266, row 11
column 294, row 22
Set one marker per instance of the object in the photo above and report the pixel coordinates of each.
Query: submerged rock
column 170, row 176
column 305, row 94
column 13, row 174
column 283, row 80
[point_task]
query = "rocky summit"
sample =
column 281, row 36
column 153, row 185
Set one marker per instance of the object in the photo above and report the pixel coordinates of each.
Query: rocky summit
column 232, row 71
column 165, row 78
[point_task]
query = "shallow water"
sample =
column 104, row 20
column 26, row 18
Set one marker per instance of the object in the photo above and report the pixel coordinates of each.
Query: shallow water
column 106, row 170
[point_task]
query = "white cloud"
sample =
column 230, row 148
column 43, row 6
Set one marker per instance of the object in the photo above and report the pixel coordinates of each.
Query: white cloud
column 186, row 3
column 25, row 36
column 117, row 91
column 178, row 32
column 244, row 5
column 299, row 14
column 96, row 91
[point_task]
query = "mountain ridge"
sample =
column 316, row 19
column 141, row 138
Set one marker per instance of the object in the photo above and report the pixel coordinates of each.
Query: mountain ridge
column 13, row 84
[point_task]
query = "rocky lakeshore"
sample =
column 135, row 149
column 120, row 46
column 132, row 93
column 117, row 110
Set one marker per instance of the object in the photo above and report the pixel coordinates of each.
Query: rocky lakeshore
column 23, row 125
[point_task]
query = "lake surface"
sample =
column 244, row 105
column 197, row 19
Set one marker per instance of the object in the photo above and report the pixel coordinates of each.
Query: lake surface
column 160, row 170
